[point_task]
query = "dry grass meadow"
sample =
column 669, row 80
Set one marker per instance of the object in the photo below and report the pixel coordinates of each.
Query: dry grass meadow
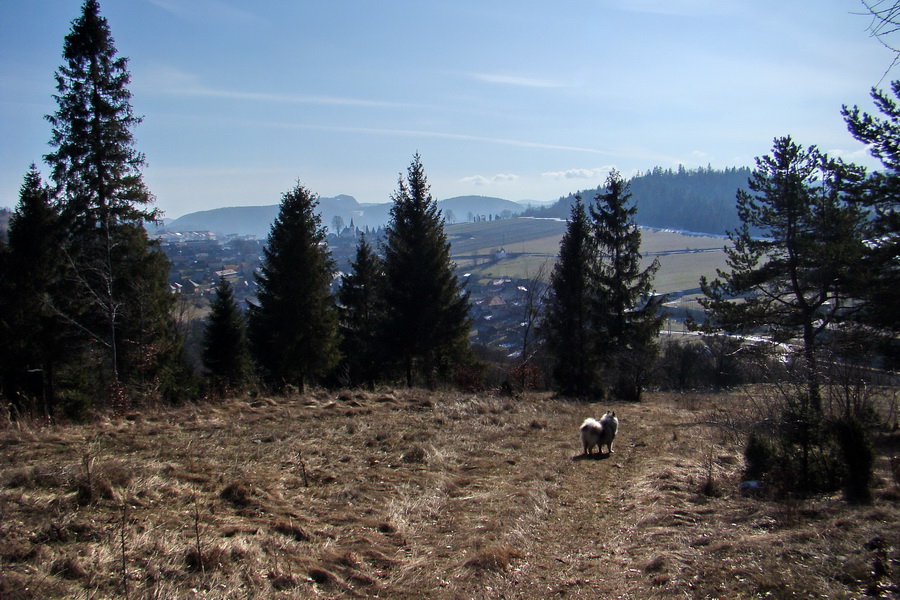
column 417, row 494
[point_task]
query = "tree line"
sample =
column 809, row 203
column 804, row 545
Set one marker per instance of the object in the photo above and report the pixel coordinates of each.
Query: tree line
column 699, row 200
column 86, row 315
column 88, row 319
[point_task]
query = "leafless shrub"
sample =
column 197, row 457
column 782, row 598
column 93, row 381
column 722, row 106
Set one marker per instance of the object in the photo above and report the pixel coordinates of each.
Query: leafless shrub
column 710, row 487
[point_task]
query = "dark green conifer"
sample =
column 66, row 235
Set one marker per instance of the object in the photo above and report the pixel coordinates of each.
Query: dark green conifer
column 427, row 327
column 117, row 300
column 31, row 344
column 362, row 315
column 794, row 283
column 791, row 276
column 880, row 194
column 567, row 326
column 226, row 352
column 626, row 316
column 293, row 330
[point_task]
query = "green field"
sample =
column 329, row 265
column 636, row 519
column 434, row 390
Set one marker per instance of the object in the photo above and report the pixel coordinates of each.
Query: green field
column 530, row 243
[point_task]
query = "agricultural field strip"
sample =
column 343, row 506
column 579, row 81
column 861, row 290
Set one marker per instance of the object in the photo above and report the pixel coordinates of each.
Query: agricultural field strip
column 541, row 237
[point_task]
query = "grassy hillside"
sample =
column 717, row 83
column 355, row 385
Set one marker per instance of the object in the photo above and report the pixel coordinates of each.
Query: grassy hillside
column 531, row 242
column 416, row 494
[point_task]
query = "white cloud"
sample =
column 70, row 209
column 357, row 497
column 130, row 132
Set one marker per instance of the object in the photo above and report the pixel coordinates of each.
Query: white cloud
column 495, row 179
column 859, row 156
column 595, row 173
column 699, row 155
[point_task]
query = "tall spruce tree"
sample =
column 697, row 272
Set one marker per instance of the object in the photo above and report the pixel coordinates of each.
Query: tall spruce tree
column 293, row 330
column 567, row 326
column 226, row 351
column 427, row 325
column 626, row 318
column 362, row 316
column 31, row 345
column 117, row 302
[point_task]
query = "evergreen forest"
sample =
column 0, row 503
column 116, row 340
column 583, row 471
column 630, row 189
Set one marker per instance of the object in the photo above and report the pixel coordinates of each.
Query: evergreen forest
column 700, row 200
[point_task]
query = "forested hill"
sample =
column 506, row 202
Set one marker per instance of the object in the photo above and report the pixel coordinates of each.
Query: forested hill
column 701, row 200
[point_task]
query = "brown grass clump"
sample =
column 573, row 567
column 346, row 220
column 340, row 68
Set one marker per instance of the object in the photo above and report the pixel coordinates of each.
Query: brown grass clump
column 292, row 530
column 496, row 557
column 410, row 493
column 68, row 567
column 237, row 494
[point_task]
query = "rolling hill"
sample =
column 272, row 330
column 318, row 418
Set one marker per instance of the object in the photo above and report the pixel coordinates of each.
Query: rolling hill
column 697, row 200
column 257, row 220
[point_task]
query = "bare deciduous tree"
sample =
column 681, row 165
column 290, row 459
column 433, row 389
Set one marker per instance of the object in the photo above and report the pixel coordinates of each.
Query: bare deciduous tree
column 885, row 23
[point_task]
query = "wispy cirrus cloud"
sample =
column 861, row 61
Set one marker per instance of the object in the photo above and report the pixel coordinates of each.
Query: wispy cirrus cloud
column 515, row 80
column 173, row 81
column 446, row 136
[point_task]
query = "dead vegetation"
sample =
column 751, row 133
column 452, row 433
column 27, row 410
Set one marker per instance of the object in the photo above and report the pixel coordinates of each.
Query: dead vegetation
column 416, row 494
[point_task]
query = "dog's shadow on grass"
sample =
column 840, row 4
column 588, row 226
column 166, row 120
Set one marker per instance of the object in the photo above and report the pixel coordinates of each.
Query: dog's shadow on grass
column 598, row 456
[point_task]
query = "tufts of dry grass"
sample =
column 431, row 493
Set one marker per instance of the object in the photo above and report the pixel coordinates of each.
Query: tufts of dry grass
column 409, row 494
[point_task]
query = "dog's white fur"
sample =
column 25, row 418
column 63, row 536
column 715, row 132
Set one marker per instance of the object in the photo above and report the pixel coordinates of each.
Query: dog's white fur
column 599, row 433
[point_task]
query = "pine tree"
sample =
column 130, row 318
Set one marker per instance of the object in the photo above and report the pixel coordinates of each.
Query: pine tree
column 293, row 330
column 567, row 326
column 362, row 315
column 117, row 302
column 791, row 278
column 31, row 347
column 794, row 283
column 626, row 317
column 226, row 352
column 880, row 194
column 426, row 331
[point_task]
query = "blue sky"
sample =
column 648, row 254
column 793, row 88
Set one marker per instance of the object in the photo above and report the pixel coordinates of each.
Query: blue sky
column 524, row 99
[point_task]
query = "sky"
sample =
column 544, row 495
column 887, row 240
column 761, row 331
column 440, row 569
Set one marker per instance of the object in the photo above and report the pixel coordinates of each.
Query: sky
column 518, row 99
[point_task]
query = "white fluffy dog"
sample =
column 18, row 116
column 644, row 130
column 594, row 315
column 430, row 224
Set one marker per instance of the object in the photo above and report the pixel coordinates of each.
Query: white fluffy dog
column 599, row 433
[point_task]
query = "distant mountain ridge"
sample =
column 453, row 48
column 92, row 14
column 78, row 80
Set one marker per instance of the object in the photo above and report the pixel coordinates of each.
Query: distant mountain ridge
column 699, row 200
column 257, row 220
